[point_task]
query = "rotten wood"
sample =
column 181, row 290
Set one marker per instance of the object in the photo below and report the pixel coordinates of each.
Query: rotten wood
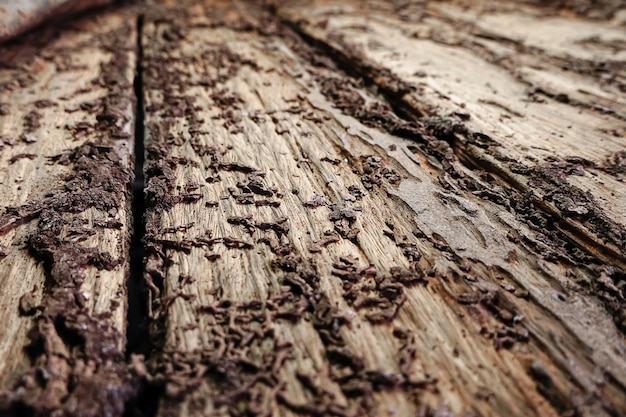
column 317, row 247
column 353, row 208
column 66, row 144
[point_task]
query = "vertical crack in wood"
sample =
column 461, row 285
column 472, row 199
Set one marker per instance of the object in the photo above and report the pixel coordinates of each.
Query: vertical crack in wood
column 137, row 330
column 138, row 341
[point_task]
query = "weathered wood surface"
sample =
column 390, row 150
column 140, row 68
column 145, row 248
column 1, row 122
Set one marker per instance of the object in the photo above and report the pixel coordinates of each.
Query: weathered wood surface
column 19, row 16
column 549, row 93
column 66, row 143
column 353, row 208
column 311, row 252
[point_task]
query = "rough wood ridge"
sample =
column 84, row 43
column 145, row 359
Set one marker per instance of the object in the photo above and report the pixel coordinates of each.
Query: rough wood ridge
column 66, row 148
column 352, row 209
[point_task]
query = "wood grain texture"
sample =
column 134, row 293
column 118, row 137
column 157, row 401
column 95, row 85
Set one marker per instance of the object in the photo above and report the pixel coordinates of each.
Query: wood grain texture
column 354, row 208
column 546, row 92
column 66, row 143
column 19, row 16
column 311, row 251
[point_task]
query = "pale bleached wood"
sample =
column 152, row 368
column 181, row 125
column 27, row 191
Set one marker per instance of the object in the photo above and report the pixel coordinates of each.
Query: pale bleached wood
column 545, row 90
column 219, row 93
column 75, row 87
column 19, row 16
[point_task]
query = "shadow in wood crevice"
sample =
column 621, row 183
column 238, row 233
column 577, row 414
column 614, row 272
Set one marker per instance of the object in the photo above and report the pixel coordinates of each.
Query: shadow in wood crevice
column 145, row 403
column 137, row 330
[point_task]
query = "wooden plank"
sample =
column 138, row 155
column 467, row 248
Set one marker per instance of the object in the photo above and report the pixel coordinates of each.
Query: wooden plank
column 306, row 258
column 551, row 104
column 19, row 16
column 66, row 129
